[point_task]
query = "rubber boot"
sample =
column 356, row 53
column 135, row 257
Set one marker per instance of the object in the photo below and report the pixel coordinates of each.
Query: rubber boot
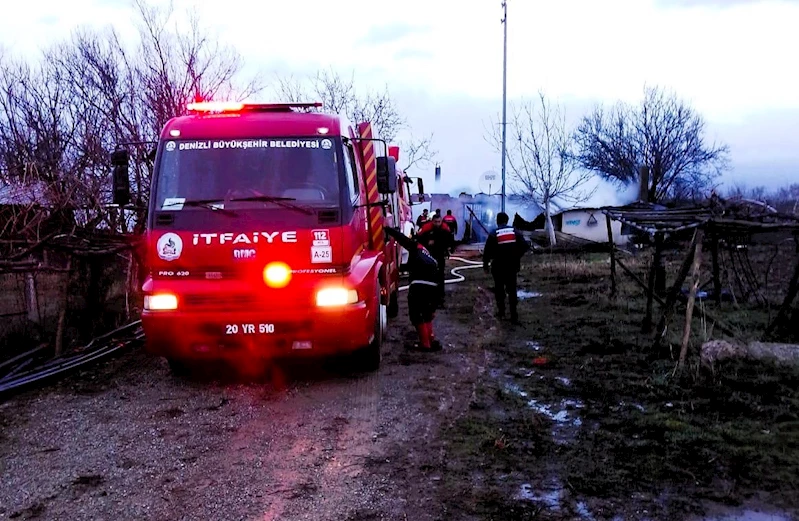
column 435, row 345
column 424, row 338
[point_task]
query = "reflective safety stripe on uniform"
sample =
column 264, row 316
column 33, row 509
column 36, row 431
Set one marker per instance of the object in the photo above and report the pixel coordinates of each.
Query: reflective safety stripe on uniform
column 506, row 235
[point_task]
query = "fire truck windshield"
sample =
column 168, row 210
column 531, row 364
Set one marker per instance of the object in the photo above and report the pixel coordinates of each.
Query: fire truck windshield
column 234, row 172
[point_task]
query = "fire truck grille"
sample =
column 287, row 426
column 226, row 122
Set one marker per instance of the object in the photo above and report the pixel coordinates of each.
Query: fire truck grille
column 228, row 302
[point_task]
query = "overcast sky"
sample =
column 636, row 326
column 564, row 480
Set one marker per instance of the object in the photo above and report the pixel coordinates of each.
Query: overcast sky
column 735, row 60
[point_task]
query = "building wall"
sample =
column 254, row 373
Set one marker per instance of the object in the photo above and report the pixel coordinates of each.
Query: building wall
column 484, row 206
column 591, row 225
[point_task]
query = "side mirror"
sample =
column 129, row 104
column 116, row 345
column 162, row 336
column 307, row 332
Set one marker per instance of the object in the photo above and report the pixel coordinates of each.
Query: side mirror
column 421, row 186
column 120, row 180
column 386, row 175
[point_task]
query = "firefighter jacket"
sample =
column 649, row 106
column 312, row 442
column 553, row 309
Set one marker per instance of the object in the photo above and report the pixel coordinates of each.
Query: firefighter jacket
column 421, row 220
column 437, row 240
column 452, row 223
column 504, row 249
column 422, row 267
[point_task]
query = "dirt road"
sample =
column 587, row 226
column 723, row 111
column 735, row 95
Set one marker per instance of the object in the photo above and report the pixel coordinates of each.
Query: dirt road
column 126, row 440
column 563, row 418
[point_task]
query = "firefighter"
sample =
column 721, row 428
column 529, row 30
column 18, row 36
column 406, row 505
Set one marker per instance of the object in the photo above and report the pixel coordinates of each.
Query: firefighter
column 422, row 219
column 437, row 238
column 423, row 272
column 503, row 251
column 452, row 223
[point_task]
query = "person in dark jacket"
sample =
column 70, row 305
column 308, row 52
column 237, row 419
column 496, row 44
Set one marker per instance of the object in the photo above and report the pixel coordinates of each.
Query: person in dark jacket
column 503, row 251
column 423, row 218
column 452, row 223
column 422, row 291
column 437, row 238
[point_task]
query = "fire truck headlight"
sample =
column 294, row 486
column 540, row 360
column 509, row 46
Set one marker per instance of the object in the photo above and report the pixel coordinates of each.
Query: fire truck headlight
column 160, row 302
column 336, row 297
column 277, row 275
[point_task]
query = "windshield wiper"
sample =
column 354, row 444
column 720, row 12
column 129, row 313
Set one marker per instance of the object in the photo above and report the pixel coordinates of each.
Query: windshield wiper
column 282, row 201
column 202, row 203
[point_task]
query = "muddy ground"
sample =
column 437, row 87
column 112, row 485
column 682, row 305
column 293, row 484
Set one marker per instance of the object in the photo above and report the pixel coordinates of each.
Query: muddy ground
column 566, row 417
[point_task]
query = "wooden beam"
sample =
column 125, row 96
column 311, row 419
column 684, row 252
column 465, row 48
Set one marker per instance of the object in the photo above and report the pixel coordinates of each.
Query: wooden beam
column 715, row 259
column 785, row 308
column 704, row 314
column 646, row 325
column 612, row 257
column 660, row 268
column 671, row 297
column 689, row 310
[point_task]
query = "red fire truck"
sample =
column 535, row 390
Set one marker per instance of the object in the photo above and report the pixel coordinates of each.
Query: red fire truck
column 265, row 234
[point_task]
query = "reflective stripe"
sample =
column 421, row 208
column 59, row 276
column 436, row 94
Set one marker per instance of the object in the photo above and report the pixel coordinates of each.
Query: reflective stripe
column 506, row 235
column 370, row 180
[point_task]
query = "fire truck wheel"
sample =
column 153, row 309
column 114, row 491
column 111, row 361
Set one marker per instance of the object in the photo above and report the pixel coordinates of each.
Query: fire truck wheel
column 393, row 304
column 369, row 357
column 178, row 367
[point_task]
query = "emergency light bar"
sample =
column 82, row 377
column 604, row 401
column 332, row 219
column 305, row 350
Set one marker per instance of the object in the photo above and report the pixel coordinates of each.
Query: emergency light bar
column 233, row 106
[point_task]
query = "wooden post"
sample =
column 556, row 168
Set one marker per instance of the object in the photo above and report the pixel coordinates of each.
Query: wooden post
column 671, row 297
column 716, row 270
column 62, row 314
column 660, row 268
column 785, row 308
column 721, row 326
column 612, row 257
column 646, row 326
column 689, row 310
column 31, row 298
column 643, row 184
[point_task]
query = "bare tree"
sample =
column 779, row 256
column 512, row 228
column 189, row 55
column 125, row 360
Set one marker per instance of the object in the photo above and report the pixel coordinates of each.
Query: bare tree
column 541, row 157
column 61, row 116
column 787, row 199
column 341, row 96
column 784, row 200
column 134, row 92
column 664, row 133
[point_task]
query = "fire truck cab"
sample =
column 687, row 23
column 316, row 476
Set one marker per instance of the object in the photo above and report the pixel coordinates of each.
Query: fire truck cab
column 265, row 234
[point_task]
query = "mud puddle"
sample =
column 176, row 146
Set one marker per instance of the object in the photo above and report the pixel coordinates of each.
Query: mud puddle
column 549, row 495
column 745, row 515
column 564, row 417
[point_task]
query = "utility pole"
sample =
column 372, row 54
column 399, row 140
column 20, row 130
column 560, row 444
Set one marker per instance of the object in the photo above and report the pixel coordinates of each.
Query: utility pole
column 504, row 95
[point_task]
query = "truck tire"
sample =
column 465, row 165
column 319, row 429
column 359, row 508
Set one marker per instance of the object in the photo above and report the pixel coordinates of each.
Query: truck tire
column 393, row 304
column 368, row 358
column 178, row 367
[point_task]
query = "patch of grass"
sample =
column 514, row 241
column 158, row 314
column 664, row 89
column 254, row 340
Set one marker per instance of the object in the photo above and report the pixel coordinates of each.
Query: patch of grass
column 722, row 435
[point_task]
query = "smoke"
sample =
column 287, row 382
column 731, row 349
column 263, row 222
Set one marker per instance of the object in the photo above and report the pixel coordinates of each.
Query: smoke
column 611, row 194
column 605, row 193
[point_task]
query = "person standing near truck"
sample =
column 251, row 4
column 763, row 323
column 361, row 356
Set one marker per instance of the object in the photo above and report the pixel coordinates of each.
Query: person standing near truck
column 422, row 290
column 503, row 252
column 437, row 238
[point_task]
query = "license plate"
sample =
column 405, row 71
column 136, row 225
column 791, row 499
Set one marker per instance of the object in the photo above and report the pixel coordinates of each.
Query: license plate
column 249, row 328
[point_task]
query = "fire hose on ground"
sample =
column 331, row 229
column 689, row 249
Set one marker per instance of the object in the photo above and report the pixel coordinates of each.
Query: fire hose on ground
column 456, row 271
column 99, row 348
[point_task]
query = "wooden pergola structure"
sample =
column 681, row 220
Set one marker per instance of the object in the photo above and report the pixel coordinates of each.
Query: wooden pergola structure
column 719, row 220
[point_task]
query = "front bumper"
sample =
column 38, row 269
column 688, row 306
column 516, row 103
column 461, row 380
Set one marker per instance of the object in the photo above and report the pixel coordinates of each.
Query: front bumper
column 262, row 334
